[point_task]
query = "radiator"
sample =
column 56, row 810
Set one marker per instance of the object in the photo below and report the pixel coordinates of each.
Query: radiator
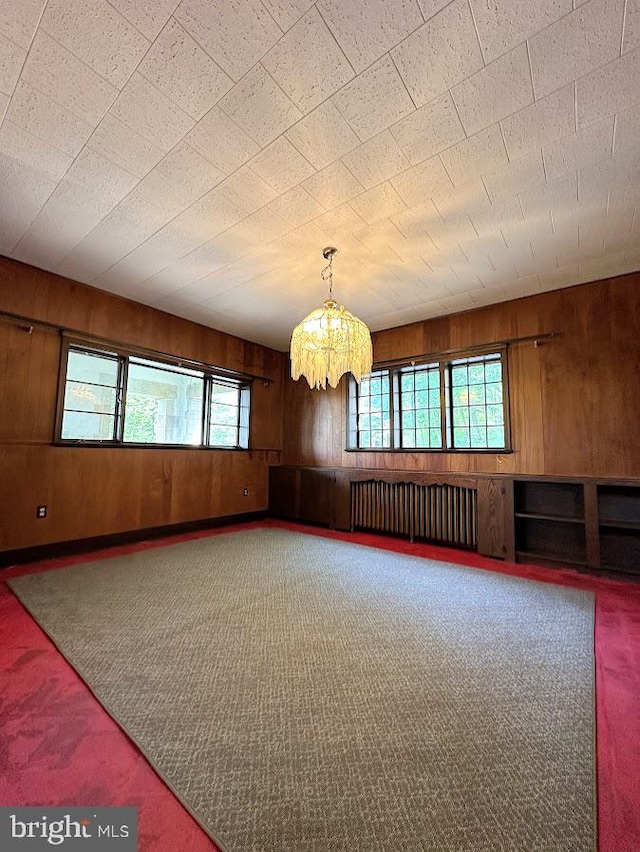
column 444, row 513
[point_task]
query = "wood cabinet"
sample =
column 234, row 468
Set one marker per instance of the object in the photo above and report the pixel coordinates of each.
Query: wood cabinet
column 581, row 523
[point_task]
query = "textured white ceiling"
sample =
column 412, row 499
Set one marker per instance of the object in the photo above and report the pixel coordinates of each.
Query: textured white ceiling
column 198, row 155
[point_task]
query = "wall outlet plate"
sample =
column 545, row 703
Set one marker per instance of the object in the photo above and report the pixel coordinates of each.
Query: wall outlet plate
column 41, row 512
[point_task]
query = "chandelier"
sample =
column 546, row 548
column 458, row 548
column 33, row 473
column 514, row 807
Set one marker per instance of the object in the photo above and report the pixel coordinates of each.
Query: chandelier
column 330, row 341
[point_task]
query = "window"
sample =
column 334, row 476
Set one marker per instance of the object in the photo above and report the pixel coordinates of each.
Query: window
column 119, row 398
column 458, row 404
column 373, row 418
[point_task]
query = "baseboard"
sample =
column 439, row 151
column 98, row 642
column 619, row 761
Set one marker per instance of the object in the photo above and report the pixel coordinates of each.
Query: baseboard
column 84, row 545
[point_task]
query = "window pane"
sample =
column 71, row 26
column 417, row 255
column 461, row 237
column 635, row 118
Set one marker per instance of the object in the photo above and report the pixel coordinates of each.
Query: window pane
column 163, row 406
column 461, row 396
column 476, row 394
column 495, row 415
column 476, row 374
column 376, row 439
column 436, row 437
column 493, row 371
column 79, row 396
column 87, row 426
column 461, row 437
column 459, row 376
column 422, row 418
column 460, row 416
column 408, row 419
column 364, row 439
column 424, row 379
column 422, row 438
column 406, row 382
column 97, row 369
column 495, row 436
column 223, row 436
column 408, row 438
column 478, row 437
column 493, row 392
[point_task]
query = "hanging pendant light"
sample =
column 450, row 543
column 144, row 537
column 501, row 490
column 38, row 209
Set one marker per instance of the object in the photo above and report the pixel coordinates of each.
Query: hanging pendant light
column 330, row 341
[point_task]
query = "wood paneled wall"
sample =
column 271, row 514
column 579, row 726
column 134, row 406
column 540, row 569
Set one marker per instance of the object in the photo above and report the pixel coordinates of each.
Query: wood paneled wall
column 575, row 399
column 100, row 491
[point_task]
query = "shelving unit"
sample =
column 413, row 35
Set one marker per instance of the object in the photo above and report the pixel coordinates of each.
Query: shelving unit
column 619, row 527
column 586, row 523
column 550, row 522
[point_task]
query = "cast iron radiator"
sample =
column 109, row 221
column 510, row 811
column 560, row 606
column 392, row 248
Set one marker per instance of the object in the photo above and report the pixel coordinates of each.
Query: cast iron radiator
column 444, row 513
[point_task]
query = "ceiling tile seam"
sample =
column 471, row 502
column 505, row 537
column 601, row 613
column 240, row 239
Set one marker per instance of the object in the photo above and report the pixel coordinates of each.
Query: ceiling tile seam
column 357, row 180
column 63, row 177
column 504, row 142
column 475, row 27
column 257, row 62
column 455, row 106
column 168, row 96
column 533, row 85
column 10, row 94
column 88, row 67
column 442, row 163
column 268, row 11
column 278, row 86
column 334, row 37
column 131, row 23
column 402, row 80
column 544, row 165
column 45, row 141
column 624, row 25
column 86, row 143
column 615, row 134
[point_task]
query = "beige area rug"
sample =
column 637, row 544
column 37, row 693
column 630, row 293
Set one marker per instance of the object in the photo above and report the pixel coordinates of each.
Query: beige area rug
column 300, row 694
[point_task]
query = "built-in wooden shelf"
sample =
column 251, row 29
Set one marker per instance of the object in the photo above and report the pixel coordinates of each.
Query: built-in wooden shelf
column 547, row 558
column 556, row 518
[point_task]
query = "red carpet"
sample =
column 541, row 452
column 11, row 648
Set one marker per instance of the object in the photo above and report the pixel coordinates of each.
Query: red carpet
column 59, row 747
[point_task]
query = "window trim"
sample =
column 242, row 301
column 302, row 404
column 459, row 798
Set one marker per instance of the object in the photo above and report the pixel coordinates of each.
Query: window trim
column 122, row 355
column 444, row 361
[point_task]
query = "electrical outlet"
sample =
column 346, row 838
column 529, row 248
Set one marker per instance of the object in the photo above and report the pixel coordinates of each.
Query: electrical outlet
column 41, row 512
column 245, row 492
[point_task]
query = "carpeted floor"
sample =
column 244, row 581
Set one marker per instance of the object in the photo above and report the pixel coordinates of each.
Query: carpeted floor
column 301, row 694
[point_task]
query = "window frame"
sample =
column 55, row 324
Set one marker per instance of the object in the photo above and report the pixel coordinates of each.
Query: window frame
column 444, row 361
column 123, row 355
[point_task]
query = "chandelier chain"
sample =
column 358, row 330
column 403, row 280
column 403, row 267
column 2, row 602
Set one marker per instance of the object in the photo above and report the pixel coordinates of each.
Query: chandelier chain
column 327, row 275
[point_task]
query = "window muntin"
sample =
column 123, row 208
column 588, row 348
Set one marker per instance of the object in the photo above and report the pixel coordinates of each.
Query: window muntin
column 117, row 398
column 454, row 405
column 90, row 396
column 373, row 417
column 420, row 407
column 224, row 415
column 476, row 403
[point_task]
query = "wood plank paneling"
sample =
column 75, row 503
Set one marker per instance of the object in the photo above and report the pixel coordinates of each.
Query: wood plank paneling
column 104, row 490
column 491, row 517
column 575, row 406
